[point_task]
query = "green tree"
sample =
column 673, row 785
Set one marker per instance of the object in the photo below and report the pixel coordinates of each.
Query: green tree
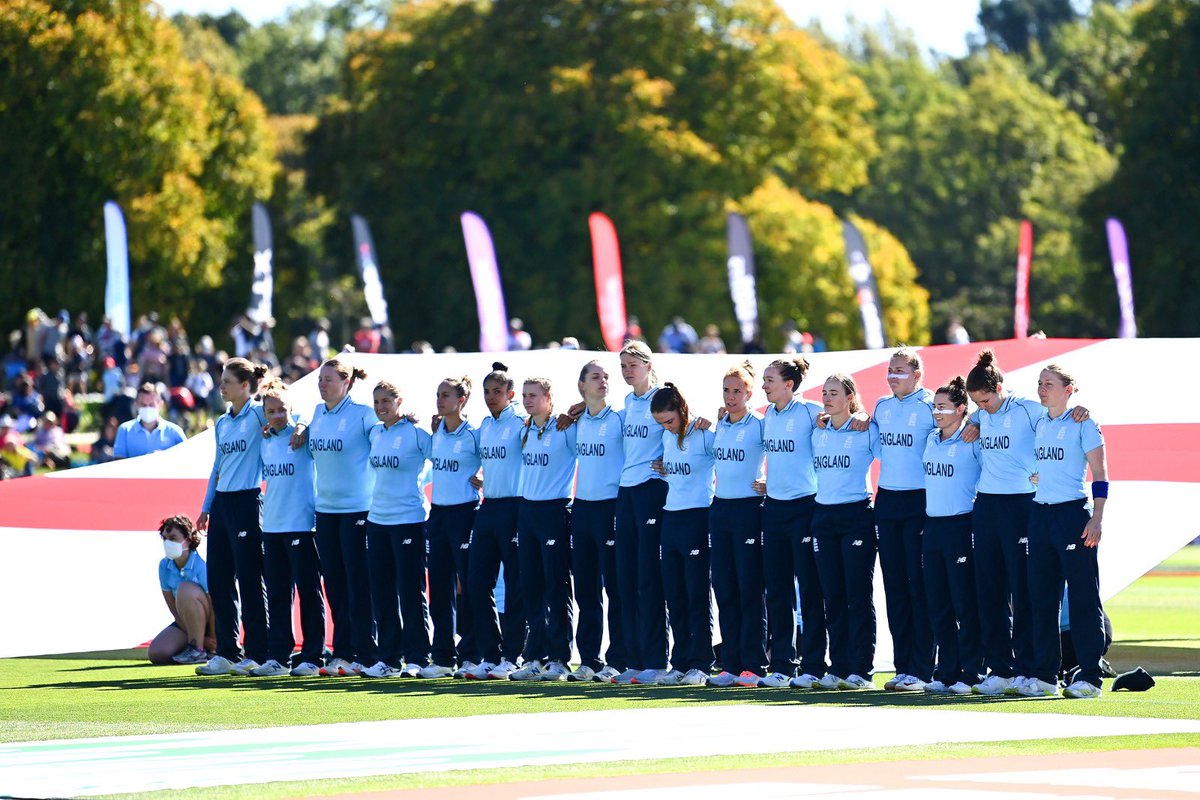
column 1015, row 26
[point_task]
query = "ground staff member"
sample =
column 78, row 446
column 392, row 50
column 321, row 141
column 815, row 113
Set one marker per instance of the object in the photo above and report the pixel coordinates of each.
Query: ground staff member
column 904, row 419
column 843, row 528
column 951, row 473
column 687, row 465
column 494, row 537
column 787, row 545
column 340, row 443
column 291, row 566
column 455, row 462
column 735, row 533
column 183, row 578
column 543, row 531
column 601, row 453
column 232, row 513
column 1064, row 536
column 396, row 538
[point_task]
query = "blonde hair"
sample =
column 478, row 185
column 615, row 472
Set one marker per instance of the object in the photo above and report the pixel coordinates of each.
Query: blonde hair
column 641, row 351
column 745, row 371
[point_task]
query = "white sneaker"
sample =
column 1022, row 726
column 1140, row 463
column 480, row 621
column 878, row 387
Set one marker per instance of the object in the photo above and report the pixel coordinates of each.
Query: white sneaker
column 502, row 670
column 804, row 681
column 555, row 671
column 959, row 688
column 480, row 673
column 828, row 681
column 937, row 687
column 271, row 669
column 1082, row 690
column 670, row 677
column 584, row 673
column 855, row 683
column 626, row 677
column 606, row 675
column 722, row 679
column 464, row 668
column 992, row 686
column 380, row 669
column 306, row 669
column 435, row 671
column 774, row 680
column 333, row 669
column 352, row 670
column 891, row 684
column 648, row 677
column 694, row 677
column 749, row 679
column 911, row 683
column 217, row 665
column 532, row 671
column 1033, row 687
column 244, row 667
column 411, row 670
column 1014, row 688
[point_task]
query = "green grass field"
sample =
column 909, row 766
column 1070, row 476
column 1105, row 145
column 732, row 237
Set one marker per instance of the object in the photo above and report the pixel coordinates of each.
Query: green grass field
column 1156, row 622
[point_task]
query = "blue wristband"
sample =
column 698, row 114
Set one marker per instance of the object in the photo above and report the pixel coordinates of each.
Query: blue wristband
column 1099, row 489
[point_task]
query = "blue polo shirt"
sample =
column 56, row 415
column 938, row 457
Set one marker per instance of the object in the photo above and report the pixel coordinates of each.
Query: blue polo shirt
column 787, row 441
column 951, row 474
column 548, row 461
column 194, row 571
column 1006, row 440
column 133, row 440
column 904, row 425
column 689, row 469
column 642, row 441
column 290, row 503
column 842, row 460
column 237, row 466
column 600, row 446
column 398, row 456
column 455, row 459
column 339, row 439
column 1061, row 445
column 738, row 452
column 500, row 453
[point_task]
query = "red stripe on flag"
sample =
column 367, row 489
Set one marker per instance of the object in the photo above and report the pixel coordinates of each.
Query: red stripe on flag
column 102, row 504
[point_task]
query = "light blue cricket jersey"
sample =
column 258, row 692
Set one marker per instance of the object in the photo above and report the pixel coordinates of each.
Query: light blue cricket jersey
column 642, row 442
column 398, row 456
column 1061, row 445
column 738, row 451
column 842, row 460
column 600, row 447
column 689, row 470
column 339, row 439
column 548, row 461
column 455, row 460
column 904, row 425
column 1006, row 440
column 238, row 462
column 500, row 453
column 194, row 571
column 951, row 474
column 290, row 501
column 787, row 441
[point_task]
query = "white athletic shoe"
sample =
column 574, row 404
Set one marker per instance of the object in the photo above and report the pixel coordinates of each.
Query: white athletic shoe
column 694, row 677
column 670, row 677
column 1082, row 690
column 626, row 677
column 606, row 675
column 749, row 679
column 333, row 669
column 648, row 677
column 891, row 684
column 306, row 669
column 380, row 669
column 722, row 679
column 992, row 686
column 435, row 671
column 828, row 681
column 1014, row 688
column 1033, row 687
column 217, row 665
column 804, row 681
column 353, row 670
column 411, row 670
column 960, row 688
column 271, row 669
column 244, row 667
column 480, row 673
column 584, row 673
column 555, row 671
column 911, row 683
column 937, row 687
column 855, row 683
column 532, row 671
column 464, row 668
column 774, row 680
column 502, row 671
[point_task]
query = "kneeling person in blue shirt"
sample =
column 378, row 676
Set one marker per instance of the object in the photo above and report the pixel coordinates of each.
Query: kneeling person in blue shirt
column 183, row 577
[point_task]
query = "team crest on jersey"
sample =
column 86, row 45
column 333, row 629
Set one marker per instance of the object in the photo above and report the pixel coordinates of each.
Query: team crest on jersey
column 341, row 426
column 849, row 443
column 1008, row 422
column 952, row 451
column 546, row 442
column 741, row 436
column 912, row 420
column 791, row 424
column 458, row 447
column 885, row 416
column 242, row 426
column 1062, row 433
column 396, row 442
column 603, row 430
column 822, row 439
column 506, row 434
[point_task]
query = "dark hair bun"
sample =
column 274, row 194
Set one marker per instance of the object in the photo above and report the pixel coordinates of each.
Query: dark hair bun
column 986, row 358
column 499, row 367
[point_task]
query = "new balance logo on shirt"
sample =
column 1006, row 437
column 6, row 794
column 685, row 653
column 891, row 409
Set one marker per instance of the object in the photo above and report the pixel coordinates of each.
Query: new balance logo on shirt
column 464, row 546
column 295, row 542
column 961, row 560
column 1070, row 547
column 856, row 543
column 241, row 534
column 407, row 541
column 551, row 542
column 651, row 521
column 752, row 541
column 610, row 542
column 360, row 522
column 694, row 553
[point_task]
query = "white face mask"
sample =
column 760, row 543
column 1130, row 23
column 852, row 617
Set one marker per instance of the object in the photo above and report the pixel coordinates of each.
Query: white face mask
column 147, row 414
column 173, row 549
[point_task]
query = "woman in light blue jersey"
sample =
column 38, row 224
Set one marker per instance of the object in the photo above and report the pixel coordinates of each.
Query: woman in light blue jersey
column 951, row 469
column 687, row 464
column 455, row 462
column 291, row 566
column 340, row 442
column 735, row 526
column 1065, row 527
column 232, row 512
column 396, row 538
column 787, row 544
column 904, row 419
column 499, row 638
column 843, row 528
column 543, row 525
column 601, row 452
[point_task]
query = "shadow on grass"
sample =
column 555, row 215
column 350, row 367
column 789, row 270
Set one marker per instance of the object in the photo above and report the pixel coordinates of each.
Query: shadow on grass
column 1156, row 659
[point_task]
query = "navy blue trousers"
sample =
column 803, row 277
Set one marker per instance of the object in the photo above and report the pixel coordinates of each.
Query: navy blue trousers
column 684, row 557
column 447, row 549
column 594, row 569
column 494, row 542
column 544, row 531
column 639, row 521
column 292, row 570
column 1001, row 523
column 949, row 572
column 235, row 572
column 900, row 518
column 342, row 544
column 398, row 591
column 845, row 550
column 735, row 541
column 788, row 561
column 1057, row 557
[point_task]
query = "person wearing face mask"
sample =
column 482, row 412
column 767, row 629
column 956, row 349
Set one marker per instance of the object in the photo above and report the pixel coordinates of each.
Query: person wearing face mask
column 183, row 578
column 148, row 432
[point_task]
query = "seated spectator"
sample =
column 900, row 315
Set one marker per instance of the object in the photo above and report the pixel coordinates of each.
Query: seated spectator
column 26, row 404
column 183, row 578
column 366, row 338
column 50, row 443
column 102, row 449
column 677, row 337
column 712, row 343
column 15, row 458
column 149, row 432
column 518, row 337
